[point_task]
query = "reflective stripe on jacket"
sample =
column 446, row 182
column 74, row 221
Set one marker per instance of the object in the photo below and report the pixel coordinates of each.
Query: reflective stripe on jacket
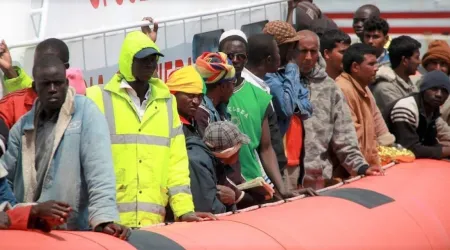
column 150, row 158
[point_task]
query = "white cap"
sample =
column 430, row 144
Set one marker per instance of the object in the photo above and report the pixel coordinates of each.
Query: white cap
column 233, row 33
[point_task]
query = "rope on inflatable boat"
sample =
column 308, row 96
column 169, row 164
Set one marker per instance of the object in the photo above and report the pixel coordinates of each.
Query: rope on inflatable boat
column 277, row 203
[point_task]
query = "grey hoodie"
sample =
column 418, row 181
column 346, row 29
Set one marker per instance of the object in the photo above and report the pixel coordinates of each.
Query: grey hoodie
column 329, row 133
column 389, row 87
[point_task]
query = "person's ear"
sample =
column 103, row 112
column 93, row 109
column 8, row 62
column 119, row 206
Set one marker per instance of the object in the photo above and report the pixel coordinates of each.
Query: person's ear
column 355, row 67
column 33, row 86
column 404, row 61
column 67, row 65
column 326, row 55
column 386, row 39
column 269, row 60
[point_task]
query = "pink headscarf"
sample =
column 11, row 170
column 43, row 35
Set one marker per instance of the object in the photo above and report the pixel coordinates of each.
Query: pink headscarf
column 76, row 80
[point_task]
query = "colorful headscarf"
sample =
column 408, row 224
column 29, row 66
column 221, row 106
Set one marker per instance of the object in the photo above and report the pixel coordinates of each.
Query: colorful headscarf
column 215, row 67
column 186, row 80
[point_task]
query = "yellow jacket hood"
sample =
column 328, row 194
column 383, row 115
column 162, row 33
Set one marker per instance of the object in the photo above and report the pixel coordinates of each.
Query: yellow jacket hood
column 134, row 42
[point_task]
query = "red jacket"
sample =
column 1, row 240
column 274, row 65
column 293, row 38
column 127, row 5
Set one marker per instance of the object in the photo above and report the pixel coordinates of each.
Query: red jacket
column 15, row 105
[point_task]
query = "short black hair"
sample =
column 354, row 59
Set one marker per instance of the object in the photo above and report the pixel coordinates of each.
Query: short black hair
column 356, row 53
column 232, row 38
column 374, row 10
column 55, row 46
column 260, row 46
column 375, row 23
column 46, row 61
column 330, row 38
column 402, row 46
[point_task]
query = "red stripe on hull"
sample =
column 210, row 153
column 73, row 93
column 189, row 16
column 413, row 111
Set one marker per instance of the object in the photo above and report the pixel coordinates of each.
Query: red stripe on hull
column 409, row 30
column 395, row 15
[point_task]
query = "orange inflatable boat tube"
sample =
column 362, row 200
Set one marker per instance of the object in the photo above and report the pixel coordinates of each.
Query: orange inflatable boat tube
column 408, row 208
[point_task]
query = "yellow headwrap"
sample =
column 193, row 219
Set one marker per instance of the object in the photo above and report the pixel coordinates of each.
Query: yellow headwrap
column 186, row 80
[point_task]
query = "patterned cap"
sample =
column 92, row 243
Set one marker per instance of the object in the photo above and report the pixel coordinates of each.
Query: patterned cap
column 282, row 31
column 223, row 135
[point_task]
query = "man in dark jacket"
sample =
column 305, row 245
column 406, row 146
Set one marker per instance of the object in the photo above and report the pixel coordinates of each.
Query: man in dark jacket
column 414, row 120
column 213, row 181
column 186, row 85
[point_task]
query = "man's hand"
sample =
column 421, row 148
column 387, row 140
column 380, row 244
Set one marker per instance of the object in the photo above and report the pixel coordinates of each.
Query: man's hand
column 292, row 4
column 374, row 171
column 226, row 195
column 116, row 230
column 287, row 194
column 54, row 213
column 151, row 33
column 5, row 223
column 306, row 191
column 6, row 61
column 197, row 216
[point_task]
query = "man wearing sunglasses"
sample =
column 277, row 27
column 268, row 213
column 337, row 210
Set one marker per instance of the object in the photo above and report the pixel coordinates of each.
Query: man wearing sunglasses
column 248, row 108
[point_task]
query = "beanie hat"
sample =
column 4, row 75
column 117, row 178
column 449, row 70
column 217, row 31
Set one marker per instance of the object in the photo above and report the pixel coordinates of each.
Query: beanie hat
column 437, row 49
column 435, row 79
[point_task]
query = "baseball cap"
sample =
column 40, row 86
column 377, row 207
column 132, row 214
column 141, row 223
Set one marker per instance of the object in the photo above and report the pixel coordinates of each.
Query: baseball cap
column 282, row 31
column 224, row 138
column 146, row 52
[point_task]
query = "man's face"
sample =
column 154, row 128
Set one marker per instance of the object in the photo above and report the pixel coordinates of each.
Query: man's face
column 51, row 87
column 232, row 160
column 375, row 39
column 227, row 90
column 237, row 53
column 307, row 54
column 273, row 63
column 144, row 68
column 367, row 70
column 334, row 58
column 188, row 103
column 413, row 62
column 438, row 64
column 435, row 97
column 358, row 21
column 286, row 52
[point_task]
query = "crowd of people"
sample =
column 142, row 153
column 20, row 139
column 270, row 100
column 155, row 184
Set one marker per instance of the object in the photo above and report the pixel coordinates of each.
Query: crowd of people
column 267, row 117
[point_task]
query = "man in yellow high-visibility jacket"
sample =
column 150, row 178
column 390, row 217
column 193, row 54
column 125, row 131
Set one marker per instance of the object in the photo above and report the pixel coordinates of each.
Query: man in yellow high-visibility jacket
column 148, row 145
